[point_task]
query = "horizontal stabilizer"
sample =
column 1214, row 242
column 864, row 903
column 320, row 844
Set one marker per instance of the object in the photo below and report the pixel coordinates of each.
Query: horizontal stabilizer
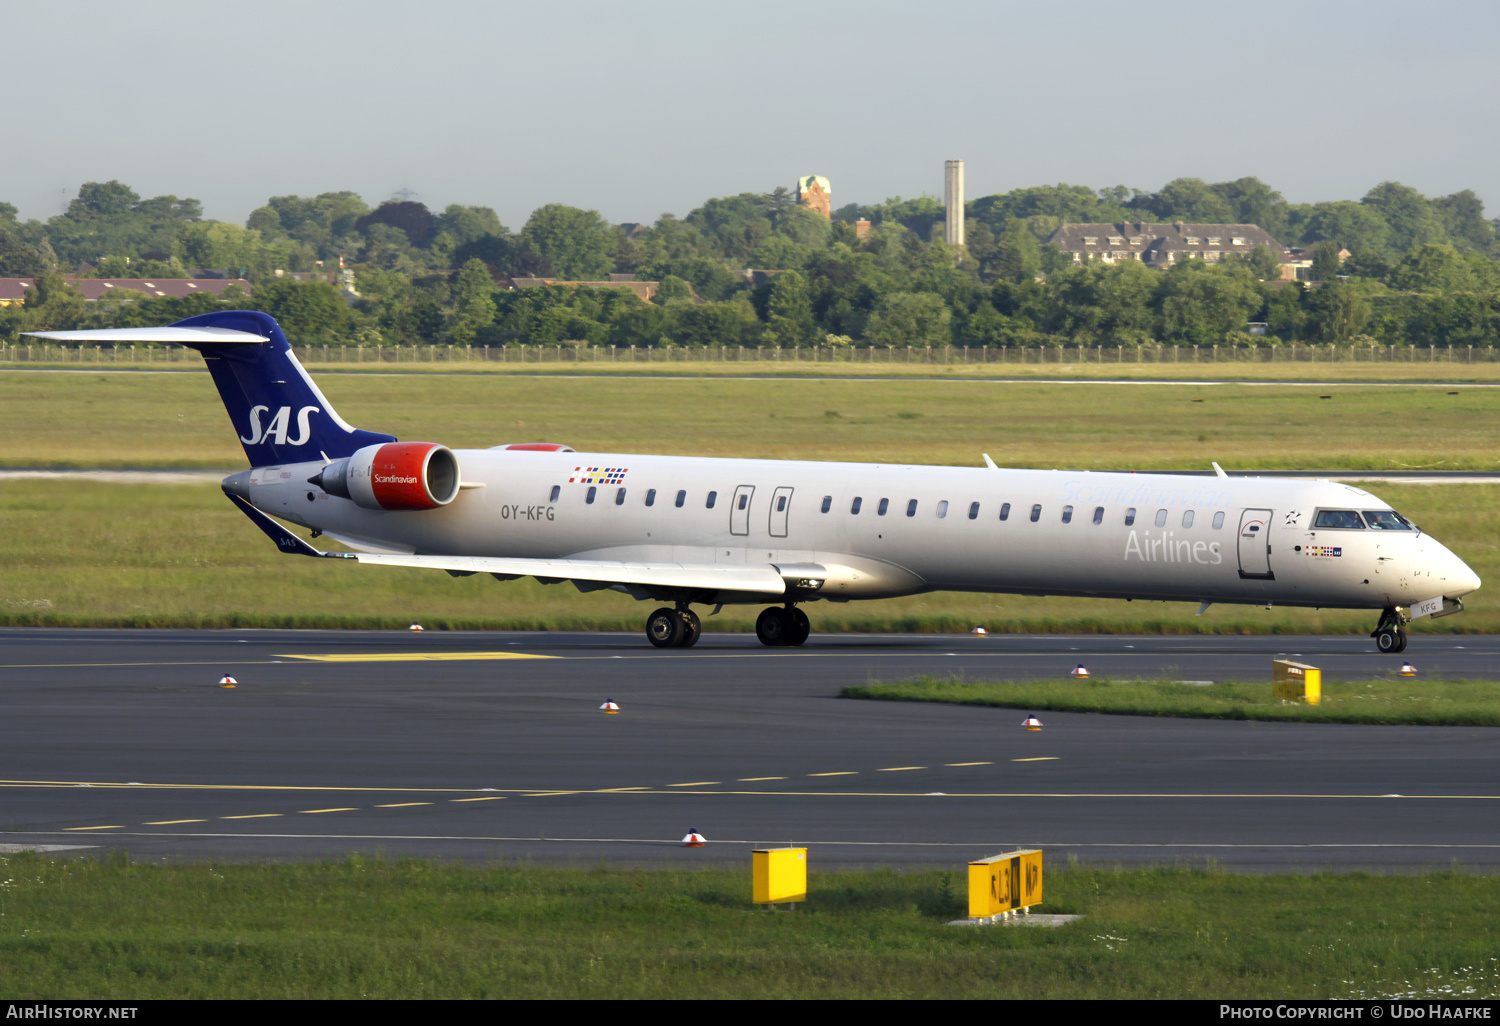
column 178, row 336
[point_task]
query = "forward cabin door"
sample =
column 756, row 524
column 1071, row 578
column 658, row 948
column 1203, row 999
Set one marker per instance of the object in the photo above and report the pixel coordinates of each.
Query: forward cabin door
column 781, row 505
column 739, row 510
column 1255, row 544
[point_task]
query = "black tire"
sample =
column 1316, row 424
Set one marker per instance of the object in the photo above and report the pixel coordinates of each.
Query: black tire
column 1388, row 641
column 692, row 629
column 1400, row 641
column 772, row 627
column 664, row 628
column 801, row 627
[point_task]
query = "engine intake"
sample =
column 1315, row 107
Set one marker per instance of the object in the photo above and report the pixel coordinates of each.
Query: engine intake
column 394, row 476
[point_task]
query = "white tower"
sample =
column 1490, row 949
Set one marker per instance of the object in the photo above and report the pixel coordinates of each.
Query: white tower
column 953, row 197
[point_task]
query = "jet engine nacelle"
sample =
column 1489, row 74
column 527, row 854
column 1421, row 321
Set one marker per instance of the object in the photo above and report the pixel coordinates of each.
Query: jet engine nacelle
column 394, row 476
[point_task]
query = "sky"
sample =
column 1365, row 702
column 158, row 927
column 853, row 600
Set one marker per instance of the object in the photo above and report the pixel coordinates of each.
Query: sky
column 636, row 109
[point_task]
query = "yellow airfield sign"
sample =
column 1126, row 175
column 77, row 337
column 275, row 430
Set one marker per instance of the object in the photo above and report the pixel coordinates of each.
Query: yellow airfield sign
column 1005, row 883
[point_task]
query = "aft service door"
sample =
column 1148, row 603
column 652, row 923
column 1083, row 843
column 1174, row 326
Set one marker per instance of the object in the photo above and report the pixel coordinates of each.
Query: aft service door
column 781, row 505
column 1255, row 544
column 739, row 510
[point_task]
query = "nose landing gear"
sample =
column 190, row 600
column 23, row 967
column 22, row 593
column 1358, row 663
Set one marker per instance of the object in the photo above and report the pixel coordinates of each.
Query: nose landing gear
column 778, row 627
column 1388, row 635
column 673, row 628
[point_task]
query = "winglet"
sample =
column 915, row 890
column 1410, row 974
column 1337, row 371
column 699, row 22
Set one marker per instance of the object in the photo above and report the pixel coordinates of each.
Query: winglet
column 1218, row 470
column 989, row 462
column 285, row 540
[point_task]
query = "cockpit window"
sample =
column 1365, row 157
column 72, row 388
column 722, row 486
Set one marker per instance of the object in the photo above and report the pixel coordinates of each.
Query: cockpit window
column 1386, row 520
column 1343, row 518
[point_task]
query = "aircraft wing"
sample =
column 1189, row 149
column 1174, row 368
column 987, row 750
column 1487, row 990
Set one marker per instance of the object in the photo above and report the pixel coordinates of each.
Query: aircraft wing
column 764, row 579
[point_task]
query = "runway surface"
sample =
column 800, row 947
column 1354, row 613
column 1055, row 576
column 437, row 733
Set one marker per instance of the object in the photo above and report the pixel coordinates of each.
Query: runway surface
column 491, row 746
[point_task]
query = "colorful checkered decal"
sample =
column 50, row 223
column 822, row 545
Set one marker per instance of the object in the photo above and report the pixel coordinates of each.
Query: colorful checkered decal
column 1324, row 550
column 598, row 475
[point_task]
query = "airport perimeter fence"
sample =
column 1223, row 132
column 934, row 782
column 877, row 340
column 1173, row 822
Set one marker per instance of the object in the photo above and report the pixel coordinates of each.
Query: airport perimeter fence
column 39, row 353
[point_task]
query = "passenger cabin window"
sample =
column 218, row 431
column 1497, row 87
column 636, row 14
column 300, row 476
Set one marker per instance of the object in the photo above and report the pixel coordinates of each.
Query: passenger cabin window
column 1067, row 517
column 781, row 503
column 744, row 499
column 651, row 496
column 1005, row 511
column 589, row 498
column 1130, row 516
column 885, row 504
column 1386, row 520
column 1161, row 518
column 911, row 508
column 1187, row 518
column 943, row 509
column 973, row 511
column 854, row 506
column 1036, row 513
column 681, row 498
column 556, row 491
column 1098, row 514
column 620, row 497
column 1339, row 518
column 1218, row 520
column 713, row 497
column 827, row 503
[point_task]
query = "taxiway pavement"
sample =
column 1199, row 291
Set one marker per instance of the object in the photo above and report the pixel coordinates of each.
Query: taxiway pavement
column 491, row 746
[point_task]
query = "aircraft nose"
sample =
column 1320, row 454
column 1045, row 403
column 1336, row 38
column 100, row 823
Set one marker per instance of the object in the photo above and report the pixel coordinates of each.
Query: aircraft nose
column 1462, row 579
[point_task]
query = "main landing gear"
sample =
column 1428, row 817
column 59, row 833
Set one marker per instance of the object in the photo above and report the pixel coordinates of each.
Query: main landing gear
column 673, row 628
column 777, row 627
column 1388, row 635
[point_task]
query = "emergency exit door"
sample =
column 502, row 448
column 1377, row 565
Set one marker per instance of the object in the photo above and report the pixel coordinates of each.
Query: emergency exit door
column 1255, row 544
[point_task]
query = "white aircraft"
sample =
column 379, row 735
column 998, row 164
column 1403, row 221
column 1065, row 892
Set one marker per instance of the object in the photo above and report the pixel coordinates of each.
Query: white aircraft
column 681, row 531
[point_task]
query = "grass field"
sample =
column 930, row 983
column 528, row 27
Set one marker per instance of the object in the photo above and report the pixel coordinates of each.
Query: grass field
column 1432, row 701
column 84, row 553
column 176, row 420
column 82, row 928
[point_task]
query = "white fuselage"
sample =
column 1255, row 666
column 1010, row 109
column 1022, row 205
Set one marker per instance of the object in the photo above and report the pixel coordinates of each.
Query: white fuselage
column 1248, row 540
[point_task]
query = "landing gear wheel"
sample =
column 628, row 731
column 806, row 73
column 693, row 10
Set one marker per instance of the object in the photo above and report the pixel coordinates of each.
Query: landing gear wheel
column 692, row 629
column 801, row 628
column 773, row 627
column 665, row 629
column 1390, row 640
column 1400, row 641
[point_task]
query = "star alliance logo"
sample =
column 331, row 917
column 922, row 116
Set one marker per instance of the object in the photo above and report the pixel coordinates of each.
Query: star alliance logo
column 1293, row 517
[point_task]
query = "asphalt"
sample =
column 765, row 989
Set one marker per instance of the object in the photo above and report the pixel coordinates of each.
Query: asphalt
column 492, row 747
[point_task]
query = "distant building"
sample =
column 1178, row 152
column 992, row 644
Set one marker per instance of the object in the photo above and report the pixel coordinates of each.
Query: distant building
column 1160, row 245
column 815, row 192
column 953, row 199
column 1296, row 264
column 13, row 290
column 861, row 228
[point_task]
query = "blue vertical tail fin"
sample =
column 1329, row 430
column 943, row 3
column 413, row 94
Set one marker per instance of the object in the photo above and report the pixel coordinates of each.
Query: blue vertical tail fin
column 278, row 412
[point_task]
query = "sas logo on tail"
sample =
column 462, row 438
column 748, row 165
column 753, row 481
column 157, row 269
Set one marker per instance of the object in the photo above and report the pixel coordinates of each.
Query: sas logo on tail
column 275, row 432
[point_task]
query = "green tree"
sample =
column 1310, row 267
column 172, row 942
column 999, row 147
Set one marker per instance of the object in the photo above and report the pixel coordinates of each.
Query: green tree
column 1337, row 311
column 1198, row 305
column 1432, row 268
column 1325, row 262
column 305, row 310
column 1412, row 220
column 1018, row 255
column 217, row 244
column 1351, row 225
column 790, row 309
column 910, row 319
column 573, row 244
